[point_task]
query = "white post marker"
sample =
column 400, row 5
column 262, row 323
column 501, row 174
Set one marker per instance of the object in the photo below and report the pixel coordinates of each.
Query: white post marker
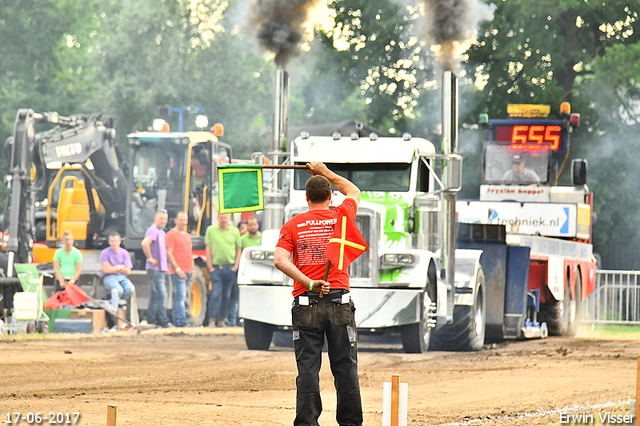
column 395, row 397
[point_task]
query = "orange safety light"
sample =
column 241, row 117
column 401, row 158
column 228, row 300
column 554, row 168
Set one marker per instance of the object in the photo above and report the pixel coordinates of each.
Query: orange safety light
column 266, row 160
column 218, row 129
column 565, row 108
column 165, row 127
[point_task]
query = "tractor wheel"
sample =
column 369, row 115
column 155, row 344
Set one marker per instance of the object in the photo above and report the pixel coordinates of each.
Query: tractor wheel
column 468, row 328
column 196, row 299
column 258, row 335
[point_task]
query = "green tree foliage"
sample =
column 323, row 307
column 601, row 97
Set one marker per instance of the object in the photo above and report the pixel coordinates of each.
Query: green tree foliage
column 151, row 53
column 614, row 92
column 536, row 51
column 379, row 59
column 43, row 43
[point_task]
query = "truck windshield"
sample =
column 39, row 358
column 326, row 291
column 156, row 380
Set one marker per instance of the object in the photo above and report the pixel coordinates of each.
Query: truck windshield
column 381, row 177
column 505, row 166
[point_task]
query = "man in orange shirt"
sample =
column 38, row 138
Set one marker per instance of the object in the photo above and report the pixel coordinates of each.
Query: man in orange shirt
column 180, row 257
column 305, row 237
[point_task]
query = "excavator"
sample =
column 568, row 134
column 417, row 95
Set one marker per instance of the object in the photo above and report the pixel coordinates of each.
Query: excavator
column 74, row 177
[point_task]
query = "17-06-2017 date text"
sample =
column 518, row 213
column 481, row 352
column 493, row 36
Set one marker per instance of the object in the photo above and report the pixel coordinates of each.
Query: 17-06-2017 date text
column 50, row 418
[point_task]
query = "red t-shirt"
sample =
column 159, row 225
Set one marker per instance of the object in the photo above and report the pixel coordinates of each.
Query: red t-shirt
column 306, row 236
column 182, row 253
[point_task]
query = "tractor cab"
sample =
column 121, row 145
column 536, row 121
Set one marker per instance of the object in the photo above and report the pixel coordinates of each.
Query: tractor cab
column 176, row 172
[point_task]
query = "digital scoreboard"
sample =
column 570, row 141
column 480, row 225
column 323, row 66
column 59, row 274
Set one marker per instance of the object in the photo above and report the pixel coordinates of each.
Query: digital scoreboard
column 530, row 136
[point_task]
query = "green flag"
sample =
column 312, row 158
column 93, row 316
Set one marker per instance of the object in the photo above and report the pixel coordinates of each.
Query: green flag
column 240, row 188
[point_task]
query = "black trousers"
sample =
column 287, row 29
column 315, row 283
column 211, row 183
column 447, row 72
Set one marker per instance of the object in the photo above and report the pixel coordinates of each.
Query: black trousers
column 313, row 321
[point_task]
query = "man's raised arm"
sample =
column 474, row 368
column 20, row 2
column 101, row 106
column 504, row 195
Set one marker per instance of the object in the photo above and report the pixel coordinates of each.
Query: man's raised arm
column 343, row 185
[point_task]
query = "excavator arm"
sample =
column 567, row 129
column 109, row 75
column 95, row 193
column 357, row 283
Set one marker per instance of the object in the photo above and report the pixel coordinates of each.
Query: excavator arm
column 87, row 140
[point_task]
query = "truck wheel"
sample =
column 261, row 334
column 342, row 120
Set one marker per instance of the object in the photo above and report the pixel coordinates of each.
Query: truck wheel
column 415, row 337
column 283, row 339
column 258, row 335
column 468, row 328
column 575, row 307
column 196, row 300
column 556, row 313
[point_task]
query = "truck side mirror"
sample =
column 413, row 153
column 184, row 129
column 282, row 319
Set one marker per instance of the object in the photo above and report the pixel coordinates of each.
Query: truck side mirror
column 454, row 172
column 579, row 172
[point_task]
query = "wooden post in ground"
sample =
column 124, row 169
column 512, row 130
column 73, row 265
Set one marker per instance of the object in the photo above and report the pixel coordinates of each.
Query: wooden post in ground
column 637, row 413
column 112, row 415
column 395, row 399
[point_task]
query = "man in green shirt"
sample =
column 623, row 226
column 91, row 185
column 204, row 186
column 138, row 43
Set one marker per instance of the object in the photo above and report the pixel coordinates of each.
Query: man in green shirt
column 67, row 261
column 223, row 258
column 253, row 237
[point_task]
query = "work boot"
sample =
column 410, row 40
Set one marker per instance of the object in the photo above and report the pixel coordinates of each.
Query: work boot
column 221, row 323
column 212, row 322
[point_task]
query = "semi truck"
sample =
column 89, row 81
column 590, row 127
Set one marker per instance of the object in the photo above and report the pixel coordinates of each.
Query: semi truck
column 413, row 279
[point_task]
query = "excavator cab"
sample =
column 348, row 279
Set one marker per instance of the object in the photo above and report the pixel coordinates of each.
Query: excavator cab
column 176, row 172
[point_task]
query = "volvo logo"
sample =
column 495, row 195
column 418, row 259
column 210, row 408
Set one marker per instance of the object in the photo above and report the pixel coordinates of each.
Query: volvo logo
column 68, row 150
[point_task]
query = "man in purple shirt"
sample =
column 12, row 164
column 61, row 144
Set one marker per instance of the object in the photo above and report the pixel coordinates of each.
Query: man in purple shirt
column 116, row 265
column 154, row 248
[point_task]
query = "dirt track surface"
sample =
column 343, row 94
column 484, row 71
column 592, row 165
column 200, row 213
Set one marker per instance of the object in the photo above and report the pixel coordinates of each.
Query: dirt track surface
column 208, row 377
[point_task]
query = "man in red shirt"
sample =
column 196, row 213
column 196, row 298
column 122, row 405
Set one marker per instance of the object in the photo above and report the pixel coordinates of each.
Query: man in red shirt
column 179, row 255
column 305, row 238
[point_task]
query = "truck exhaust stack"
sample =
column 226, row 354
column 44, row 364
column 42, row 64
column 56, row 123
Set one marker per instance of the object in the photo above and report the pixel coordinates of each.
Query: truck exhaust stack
column 275, row 197
column 449, row 174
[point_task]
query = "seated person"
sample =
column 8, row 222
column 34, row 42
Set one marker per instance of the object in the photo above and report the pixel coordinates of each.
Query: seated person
column 116, row 265
column 519, row 174
column 67, row 262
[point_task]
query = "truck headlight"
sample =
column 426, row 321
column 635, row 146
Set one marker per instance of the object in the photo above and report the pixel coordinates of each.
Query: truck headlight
column 398, row 260
column 262, row 255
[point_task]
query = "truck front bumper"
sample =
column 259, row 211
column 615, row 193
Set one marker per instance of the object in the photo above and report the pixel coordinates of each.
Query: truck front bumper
column 375, row 307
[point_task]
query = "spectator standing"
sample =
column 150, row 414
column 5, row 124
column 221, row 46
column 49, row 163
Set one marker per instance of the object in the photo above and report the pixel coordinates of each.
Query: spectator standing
column 154, row 248
column 223, row 257
column 251, row 238
column 67, row 261
column 306, row 236
column 242, row 227
column 116, row 265
column 180, row 257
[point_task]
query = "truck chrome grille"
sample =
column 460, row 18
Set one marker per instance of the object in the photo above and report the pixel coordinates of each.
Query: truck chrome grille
column 361, row 267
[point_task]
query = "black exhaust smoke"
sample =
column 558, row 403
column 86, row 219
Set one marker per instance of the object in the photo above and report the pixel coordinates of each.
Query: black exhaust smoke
column 452, row 26
column 279, row 25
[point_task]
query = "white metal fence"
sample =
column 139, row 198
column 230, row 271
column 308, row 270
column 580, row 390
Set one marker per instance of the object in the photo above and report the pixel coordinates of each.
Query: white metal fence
column 616, row 299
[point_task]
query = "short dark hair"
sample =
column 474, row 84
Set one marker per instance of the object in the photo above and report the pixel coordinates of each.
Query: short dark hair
column 114, row 234
column 318, row 189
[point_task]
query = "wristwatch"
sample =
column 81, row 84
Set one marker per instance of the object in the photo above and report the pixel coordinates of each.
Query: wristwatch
column 178, row 269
